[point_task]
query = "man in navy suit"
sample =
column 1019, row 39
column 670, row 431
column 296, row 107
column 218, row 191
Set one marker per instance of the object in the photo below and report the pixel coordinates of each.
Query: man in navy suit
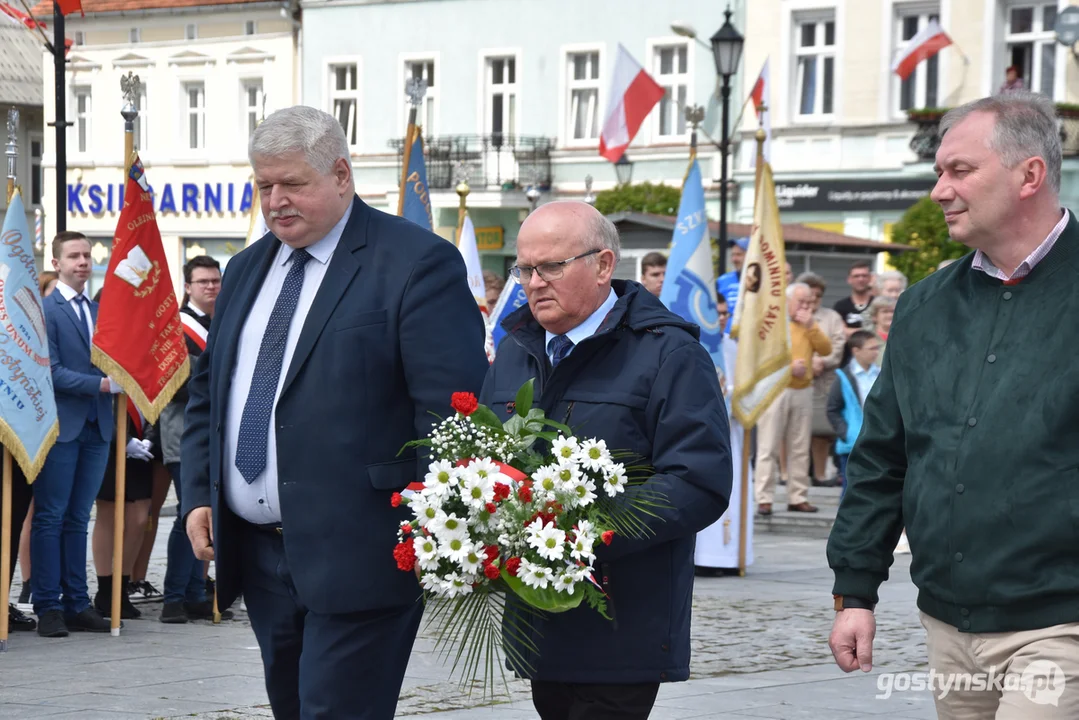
column 69, row 481
column 333, row 340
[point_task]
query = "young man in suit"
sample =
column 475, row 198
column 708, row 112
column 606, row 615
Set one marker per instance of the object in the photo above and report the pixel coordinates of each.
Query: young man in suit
column 65, row 490
column 333, row 340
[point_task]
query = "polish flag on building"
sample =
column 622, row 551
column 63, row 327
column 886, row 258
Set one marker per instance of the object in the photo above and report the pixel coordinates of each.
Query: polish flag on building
column 18, row 16
column 761, row 103
column 633, row 95
column 922, row 46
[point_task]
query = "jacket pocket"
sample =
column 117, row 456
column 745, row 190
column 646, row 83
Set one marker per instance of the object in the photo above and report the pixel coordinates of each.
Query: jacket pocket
column 393, row 475
column 363, row 319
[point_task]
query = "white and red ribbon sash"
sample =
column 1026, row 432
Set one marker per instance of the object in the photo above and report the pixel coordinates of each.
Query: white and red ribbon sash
column 194, row 330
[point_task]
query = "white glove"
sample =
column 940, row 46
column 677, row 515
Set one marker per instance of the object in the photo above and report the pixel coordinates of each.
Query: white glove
column 139, row 450
column 114, row 388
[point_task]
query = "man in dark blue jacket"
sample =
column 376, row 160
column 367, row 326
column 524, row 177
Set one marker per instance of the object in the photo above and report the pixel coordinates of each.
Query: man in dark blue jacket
column 613, row 363
column 334, row 339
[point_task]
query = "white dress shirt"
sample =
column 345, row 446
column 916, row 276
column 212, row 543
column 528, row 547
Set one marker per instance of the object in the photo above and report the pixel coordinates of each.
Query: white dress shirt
column 258, row 502
column 865, row 377
column 70, row 294
column 586, row 329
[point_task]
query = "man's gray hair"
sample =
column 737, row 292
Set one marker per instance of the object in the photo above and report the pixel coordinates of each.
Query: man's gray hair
column 1026, row 127
column 300, row 128
column 795, row 287
column 892, row 275
column 603, row 229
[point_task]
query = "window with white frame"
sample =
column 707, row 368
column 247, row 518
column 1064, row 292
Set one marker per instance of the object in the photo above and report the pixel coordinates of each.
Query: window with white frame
column 424, row 70
column 37, row 176
column 250, row 27
column 670, row 68
column 82, row 117
column 134, row 35
column 195, row 115
column 142, row 135
column 80, row 37
column 500, row 96
column 814, row 66
column 345, row 99
column 1030, row 44
column 920, row 90
column 582, row 83
column 252, row 106
column 191, row 31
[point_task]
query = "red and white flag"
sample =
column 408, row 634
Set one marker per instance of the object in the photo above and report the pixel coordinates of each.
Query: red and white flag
column 761, row 96
column 18, row 17
column 922, row 46
column 139, row 340
column 633, row 95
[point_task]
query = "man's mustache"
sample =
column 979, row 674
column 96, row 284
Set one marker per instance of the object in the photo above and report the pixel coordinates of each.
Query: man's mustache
column 274, row 214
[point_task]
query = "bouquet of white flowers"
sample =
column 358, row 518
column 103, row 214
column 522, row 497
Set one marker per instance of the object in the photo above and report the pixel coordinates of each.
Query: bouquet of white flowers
column 512, row 508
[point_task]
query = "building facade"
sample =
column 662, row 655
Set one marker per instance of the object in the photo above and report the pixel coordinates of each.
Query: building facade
column 21, row 89
column 517, row 93
column 846, row 154
column 208, row 75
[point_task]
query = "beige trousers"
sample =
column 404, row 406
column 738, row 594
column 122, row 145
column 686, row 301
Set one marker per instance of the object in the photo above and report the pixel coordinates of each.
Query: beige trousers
column 1028, row 675
column 789, row 418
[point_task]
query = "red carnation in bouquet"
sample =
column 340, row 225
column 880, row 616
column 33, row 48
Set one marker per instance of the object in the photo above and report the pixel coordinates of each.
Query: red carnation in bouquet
column 464, row 403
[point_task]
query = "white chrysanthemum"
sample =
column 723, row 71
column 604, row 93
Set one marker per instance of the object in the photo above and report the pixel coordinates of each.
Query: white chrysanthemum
column 485, row 468
column 546, row 480
column 477, row 489
column 583, row 491
column 455, row 584
column 440, row 478
column 593, row 455
column 581, row 547
column 431, row 582
column 550, row 543
column 426, row 552
column 535, row 576
column 423, row 509
column 448, row 526
column 568, row 473
column 565, row 448
column 474, row 559
column 533, row 529
column 566, row 580
column 614, row 479
column 454, row 549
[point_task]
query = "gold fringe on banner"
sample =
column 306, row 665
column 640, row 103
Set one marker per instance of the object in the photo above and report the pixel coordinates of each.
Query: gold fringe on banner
column 151, row 410
column 30, row 467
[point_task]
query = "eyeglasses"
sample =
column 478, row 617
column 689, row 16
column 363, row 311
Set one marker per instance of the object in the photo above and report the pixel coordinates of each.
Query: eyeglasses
column 206, row 283
column 547, row 271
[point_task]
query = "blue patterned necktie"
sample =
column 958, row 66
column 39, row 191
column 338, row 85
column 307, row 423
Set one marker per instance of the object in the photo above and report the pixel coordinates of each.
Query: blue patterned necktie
column 559, row 348
column 255, row 422
column 82, row 309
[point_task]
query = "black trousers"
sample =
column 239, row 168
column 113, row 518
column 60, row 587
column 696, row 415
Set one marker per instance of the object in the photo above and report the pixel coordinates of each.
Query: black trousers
column 572, row 701
column 322, row 667
column 21, row 495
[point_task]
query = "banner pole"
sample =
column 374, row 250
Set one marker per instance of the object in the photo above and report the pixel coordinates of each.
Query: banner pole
column 130, row 86
column 743, row 504
column 5, row 549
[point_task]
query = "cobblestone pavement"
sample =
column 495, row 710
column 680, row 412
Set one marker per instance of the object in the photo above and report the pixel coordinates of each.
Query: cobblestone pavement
column 759, row 650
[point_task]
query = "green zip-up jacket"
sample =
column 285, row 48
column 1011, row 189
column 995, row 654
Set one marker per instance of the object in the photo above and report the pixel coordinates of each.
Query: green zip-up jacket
column 971, row 442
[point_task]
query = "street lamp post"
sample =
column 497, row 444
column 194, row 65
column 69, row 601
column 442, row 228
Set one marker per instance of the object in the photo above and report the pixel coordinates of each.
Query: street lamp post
column 727, row 46
column 623, row 170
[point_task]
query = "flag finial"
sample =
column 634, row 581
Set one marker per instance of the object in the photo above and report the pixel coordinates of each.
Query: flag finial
column 415, row 88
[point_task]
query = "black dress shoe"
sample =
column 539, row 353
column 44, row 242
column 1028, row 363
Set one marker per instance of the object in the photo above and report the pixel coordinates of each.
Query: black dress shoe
column 173, row 613
column 204, row 611
column 89, row 620
column 18, row 620
column 51, row 624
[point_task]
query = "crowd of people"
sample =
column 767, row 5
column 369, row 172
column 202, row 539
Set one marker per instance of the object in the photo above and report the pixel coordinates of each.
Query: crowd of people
column 51, row 516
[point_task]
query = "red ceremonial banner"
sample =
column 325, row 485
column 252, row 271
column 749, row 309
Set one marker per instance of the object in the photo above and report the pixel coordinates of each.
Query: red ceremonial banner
column 139, row 340
column 69, row 6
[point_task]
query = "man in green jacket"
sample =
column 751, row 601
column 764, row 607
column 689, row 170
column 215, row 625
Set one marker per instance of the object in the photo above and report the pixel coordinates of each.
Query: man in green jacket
column 971, row 435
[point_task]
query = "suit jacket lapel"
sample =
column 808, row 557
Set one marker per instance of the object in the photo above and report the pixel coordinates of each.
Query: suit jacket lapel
column 240, row 308
column 80, row 324
column 344, row 265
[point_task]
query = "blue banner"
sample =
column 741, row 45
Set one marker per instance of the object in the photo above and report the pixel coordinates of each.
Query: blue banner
column 28, row 421
column 689, row 288
column 512, row 297
column 417, row 200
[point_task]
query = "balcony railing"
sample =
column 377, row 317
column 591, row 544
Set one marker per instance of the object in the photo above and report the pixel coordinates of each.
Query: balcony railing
column 496, row 161
column 926, row 138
